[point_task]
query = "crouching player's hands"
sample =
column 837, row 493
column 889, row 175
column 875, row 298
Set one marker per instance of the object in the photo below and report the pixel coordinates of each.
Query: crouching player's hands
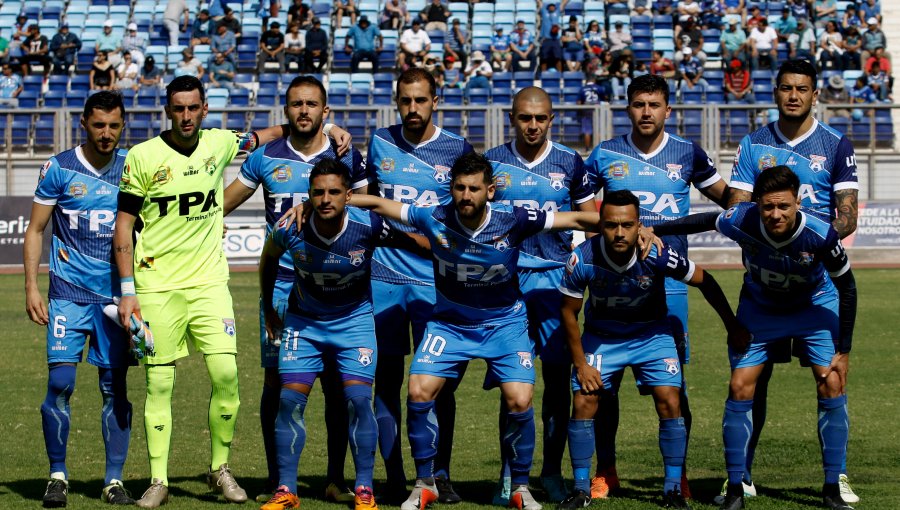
column 274, row 326
column 588, row 378
column 297, row 214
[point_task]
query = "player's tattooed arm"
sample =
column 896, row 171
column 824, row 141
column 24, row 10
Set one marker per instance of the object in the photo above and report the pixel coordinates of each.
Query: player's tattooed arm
column 719, row 193
column 123, row 248
column 337, row 133
column 736, row 196
column 34, row 241
column 588, row 377
column 847, row 211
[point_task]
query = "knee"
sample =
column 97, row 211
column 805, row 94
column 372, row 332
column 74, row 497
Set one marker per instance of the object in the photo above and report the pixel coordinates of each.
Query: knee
column 61, row 380
column 419, row 393
column 741, row 389
column 519, row 402
column 670, row 406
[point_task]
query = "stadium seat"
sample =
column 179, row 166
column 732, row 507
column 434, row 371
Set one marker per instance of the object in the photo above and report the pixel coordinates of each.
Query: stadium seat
column 452, row 96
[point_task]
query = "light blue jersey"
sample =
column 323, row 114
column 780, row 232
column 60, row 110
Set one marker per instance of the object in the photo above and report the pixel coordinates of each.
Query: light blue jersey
column 823, row 160
column 84, row 200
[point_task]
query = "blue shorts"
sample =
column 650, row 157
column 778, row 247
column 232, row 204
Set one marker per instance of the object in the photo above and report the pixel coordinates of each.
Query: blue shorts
column 396, row 307
column 446, row 350
column 652, row 358
column 540, row 290
column 72, row 323
column 815, row 327
column 678, row 318
column 349, row 340
column 268, row 353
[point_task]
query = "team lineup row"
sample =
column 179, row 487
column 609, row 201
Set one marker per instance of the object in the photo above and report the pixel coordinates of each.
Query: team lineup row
column 474, row 252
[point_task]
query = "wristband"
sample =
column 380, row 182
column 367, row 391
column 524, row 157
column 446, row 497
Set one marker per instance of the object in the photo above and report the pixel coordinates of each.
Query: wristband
column 127, row 284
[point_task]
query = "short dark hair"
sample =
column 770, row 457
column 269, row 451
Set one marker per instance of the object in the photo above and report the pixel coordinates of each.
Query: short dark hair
column 621, row 197
column 330, row 167
column 797, row 66
column 312, row 81
column 416, row 74
column 473, row 163
column 778, row 178
column 184, row 83
column 105, row 100
column 648, row 83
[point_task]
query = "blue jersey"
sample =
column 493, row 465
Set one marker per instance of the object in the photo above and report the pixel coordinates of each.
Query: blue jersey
column 553, row 182
column 84, row 200
column 784, row 276
column 332, row 275
column 661, row 180
column 592, row 93
column 627, row 300
column 284, row 175
column 475, row 271
column 411, row 174
column 823, row 160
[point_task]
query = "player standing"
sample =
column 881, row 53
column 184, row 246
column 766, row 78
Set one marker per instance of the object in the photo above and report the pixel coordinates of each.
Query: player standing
column 411, row 162
column 282, row 168
column 659, row 168
column 534, row 172
column 78, row 189
column 626, row 325
column 825, row 163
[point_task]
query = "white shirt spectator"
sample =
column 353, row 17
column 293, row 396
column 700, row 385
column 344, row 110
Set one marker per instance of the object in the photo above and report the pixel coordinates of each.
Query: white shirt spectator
column 763, row 40
column 482, row 69
column 290, row 42
column 415, row 41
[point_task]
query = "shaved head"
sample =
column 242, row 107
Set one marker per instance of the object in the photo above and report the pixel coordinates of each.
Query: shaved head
column 531, row 118
column 531, row 95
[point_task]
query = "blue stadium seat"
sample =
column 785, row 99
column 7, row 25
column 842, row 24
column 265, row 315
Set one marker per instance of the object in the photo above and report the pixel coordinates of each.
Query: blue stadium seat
column 44, row 130
column 480, row 96
column 54, row 98
column 29, row 97
column 148, row 97
column 240, row 96
column 572, row 78
column 382, row 96
column 452, row 96
column 553, row 90
column 571, row 94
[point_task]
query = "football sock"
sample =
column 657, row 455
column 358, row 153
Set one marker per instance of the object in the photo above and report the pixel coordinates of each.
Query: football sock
column 737, row 427
column 388, row 382
column 606, row 425
column 555, row 409
column 115, row 418
column 581, row 450
column 363, row 431
column 290, row 436
column 502, row 421
column 672, row 441
column 422, row 427
column 834, row 427
column 685, row 406
column 55, row 416
column 445, row 409
column 223, row 405
column 518, row 441
column 760, row 405
column 158, row 418
column 268, row 413
column 844, row 460
column 336, row 420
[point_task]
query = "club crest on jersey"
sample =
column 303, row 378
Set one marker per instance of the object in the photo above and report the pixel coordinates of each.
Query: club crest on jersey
column 44, row 171
column 525, row 360
column 282, row 173
column 387, row 165
column 816, row 163
column 365, row 356
column 356, row 257
column 556, row 181
column 62, row 254
column 571, row 263
column 766, row 161
column 502, row 181
column 806, row 259
column 302, row 256
column 730, row 212
column 441, row 173
column 501, row 243
column 209, row 165
column 445, row 242
column 163, row 175
column 147, row 264
column 671, row 365
column 673, row 172
column 126, row 175
column 618, row 170
column 645, row 282
column 78, row 189
column 229, row 326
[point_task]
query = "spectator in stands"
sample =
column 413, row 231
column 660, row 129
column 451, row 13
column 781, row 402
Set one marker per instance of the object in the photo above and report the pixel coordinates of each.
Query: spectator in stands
column 299, row 13
column 640, row 8
column 733, row 42
column 870, row 9
column 216, row 11
column 294, row 44
column 850, row 19
column 738, row 86
column 661, row 66
column 501, row 55
column 802, row 43
column 395, row 15
column 221, row 72
column 11, row 85
column 879, row 57
column 454, row 43
column 224, row 43
column 852, row 57
column 691, row 73
column 879, row 82
column 478, row 74
column 862, row 94
column 619, row 39
column 316, row 47
column 711, row 14
column 64, row 46
column 640, row 69
column 365, row 42
column 831, row 48
column 689, row 35
column 763, row 45
column 4, row 50
column 271, row 48
column 452, row 75
column 134, row 43
column 551, row 50
column 268, row 9
column 151, row 76
column 620, row 74
column 755, row 17
column 435, row 16
column 414, row 45
column 109, row 42
column 615, row 7
column 103, row 74
column 202, row 29
column 35, row 50
column 835, row 93
column 347, row 7
column 663, row 7
column 735, row 8
column 785, row 25
column 523, row 48
column 873, row 38
column 826, row 10
column 231, row 23
column 550, row 15
column 433, row 65
column 127, row 73
column 689, row 8
column 19, row 33
column 799, row 8
column 189, row 65
column 573, row 45
column 176, row 10
column 594, row 39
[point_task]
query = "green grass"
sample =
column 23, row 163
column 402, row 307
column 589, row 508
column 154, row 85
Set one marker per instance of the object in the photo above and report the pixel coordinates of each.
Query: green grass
column 788, row 467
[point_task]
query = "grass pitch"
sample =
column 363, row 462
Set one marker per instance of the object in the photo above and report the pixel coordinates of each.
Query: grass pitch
column 787, row 472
